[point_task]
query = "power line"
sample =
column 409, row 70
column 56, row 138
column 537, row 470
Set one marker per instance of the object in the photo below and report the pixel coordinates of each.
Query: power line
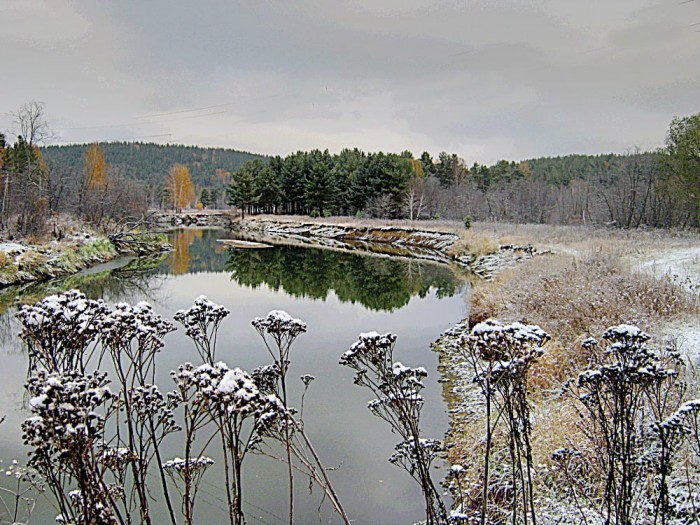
column 170, row 113
column 151, row 115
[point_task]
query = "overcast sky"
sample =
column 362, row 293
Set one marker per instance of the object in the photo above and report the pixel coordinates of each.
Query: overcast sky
column 485, row 79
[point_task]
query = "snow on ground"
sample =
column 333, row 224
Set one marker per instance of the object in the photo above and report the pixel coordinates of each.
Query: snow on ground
column 680, row 262
column 683, row 266
column 12, row 248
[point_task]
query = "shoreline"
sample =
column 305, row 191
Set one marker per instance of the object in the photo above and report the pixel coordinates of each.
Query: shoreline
column 22, row 264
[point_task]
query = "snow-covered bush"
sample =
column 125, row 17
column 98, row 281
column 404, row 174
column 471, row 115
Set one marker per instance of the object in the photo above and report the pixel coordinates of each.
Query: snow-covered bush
column 201, row 322
column 60, row 330
column 98, row 448
column 66, row 434
column 398, row 402
column 628, row 403
column 501, row 356
column 230, row 400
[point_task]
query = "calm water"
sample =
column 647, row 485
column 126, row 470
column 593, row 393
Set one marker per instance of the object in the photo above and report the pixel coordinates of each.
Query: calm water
column 339, row 295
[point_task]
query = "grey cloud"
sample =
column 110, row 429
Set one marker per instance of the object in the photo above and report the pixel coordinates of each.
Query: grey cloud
column 490, row 79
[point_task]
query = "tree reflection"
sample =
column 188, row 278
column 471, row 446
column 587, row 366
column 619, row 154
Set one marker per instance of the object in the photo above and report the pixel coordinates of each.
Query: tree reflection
column 378, row 283
column 196, row 250
column 133, row 282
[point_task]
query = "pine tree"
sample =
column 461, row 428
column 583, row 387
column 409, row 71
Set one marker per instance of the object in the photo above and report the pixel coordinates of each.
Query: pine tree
column 241, row 191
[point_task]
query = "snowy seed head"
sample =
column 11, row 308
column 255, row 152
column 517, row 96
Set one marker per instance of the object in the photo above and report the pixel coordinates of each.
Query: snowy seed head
column 279, row 322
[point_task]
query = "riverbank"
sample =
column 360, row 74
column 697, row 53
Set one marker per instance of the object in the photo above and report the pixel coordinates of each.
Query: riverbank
column 591, row 279
column 22, row 263
column 445, row 242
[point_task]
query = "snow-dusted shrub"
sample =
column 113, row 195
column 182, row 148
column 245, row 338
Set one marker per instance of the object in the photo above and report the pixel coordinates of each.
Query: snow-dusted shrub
column 627, row 399
column 98, row 449
column 201, row 322
column 398, row 402
column 133, row 335
column 188, row 472
column 501, row 356
column 19, row 495
column 66, row 436
column 60, row 330
column 279, row 330
column 282, row 329
column 231, row 401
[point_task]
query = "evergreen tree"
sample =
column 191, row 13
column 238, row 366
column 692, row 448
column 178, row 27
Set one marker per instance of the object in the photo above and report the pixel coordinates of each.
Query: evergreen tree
column 267, row 189
column 428, row 164
column 318, row 186
column 445, row 170
column 204, row 198
column 345, row 173
column 293, row 174
column 241, row 191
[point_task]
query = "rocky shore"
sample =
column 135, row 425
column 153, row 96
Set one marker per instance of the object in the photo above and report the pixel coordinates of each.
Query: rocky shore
column 407, row 241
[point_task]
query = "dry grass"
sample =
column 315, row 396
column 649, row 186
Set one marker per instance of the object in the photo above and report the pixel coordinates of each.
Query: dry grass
column 574, row 298
column 30, row 260
column 5, row 260
column 585, row 286
column 474, row 243
column 580, row 239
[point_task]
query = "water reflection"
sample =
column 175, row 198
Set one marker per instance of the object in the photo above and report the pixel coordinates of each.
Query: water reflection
column 133, row 280
column 196, row 250
column 378, row 283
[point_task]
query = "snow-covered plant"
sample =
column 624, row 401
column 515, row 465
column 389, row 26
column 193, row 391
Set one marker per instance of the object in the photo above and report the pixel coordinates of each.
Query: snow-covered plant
column 66, row 435
column 282, row 329
column 150, row 420
column 242, row 414
column 60, row 331
column 18, row 498
column 201, row 322
column 398, row 402
column 188, row 472
column 627, row 399
column 98, row 449
column 501, row 356
column 190, row 383
column 132, row 336
column 279, row 330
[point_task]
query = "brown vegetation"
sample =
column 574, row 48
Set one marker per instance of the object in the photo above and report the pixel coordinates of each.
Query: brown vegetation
column 586, row 286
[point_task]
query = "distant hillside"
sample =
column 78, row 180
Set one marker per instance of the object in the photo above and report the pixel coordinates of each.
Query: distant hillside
column 564, row 169
column 150, row 163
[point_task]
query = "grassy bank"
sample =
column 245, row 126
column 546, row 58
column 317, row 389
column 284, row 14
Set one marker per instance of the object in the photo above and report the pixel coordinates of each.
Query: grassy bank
column 23, row 263
column 590, row 281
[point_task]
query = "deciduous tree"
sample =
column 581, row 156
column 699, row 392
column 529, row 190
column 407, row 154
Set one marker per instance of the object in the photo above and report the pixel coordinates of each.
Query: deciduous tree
column 683, row 167
column 180, row 187
column 94, row 177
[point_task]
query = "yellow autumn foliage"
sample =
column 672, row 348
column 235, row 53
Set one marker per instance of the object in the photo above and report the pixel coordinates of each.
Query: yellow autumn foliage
column 180, row 187
column 95, row 168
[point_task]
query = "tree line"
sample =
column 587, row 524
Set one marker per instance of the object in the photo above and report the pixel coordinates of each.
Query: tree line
column 150, row 163
column 659, row 188
column 32, row 189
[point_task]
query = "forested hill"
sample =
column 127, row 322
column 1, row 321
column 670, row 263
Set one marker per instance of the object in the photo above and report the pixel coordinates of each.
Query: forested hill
column 150, row 163
column 564, row 169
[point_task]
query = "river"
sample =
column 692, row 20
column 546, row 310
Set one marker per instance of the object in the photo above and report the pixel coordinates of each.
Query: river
column 338, row 295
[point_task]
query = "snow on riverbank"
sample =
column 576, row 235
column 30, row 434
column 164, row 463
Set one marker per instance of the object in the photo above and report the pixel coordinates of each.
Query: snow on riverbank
column 682, row 265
